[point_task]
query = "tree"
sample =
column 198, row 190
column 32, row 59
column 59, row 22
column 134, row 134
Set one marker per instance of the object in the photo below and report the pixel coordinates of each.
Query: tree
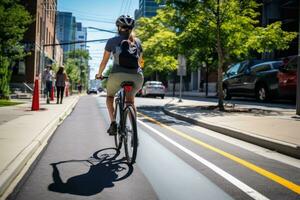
column 226, row 28
column 72, row 71
column 78, row 59
column 159, row 43
column 14, row 21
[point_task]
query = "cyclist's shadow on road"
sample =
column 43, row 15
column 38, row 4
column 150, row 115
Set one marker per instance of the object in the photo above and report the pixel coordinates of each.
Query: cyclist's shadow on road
column 105, row 169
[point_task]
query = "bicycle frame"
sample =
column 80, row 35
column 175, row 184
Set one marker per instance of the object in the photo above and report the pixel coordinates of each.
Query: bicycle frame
column 121, row 101
column 126, row 113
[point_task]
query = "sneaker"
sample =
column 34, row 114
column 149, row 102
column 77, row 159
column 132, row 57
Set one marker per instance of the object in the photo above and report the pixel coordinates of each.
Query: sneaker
column 112, row 129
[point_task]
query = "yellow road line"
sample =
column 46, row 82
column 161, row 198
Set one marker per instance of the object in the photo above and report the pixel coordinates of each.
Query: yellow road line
column 282, row 181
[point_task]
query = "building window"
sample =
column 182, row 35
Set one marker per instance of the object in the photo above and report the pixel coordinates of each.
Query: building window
column 21, row 68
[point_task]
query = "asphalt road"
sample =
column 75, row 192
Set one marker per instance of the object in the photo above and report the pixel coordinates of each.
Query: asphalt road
column 176, row 160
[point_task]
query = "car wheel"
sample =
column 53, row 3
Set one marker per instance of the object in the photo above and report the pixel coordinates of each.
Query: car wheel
column 262, row 94
column 163, row 96
column 226, row 94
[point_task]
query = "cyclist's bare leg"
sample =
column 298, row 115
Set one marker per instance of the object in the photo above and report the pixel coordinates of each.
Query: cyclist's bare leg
column 110, row 107
column 130, row 100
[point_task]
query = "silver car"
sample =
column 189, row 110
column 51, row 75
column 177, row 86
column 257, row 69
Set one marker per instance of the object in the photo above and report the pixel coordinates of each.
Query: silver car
column 154, row 88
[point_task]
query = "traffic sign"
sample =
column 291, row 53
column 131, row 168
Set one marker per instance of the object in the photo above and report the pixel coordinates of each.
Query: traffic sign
column 181, row 70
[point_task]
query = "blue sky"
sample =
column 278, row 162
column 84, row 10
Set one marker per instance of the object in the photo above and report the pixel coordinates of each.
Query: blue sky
column 100, row 14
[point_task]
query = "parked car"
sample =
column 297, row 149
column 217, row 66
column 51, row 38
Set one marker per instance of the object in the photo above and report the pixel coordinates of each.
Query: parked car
column 100, row 89
column 287, row 77
column 154, row 88
column 93, row 90
column 263, row 81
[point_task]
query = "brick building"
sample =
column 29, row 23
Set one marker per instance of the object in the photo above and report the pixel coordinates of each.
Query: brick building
column 40, row 32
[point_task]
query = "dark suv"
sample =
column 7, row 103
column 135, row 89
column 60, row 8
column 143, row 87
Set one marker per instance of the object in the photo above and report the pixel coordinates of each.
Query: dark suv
column 252, row 79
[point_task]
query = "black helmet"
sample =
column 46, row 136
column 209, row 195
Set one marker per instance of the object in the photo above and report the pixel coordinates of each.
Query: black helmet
column 125, row 21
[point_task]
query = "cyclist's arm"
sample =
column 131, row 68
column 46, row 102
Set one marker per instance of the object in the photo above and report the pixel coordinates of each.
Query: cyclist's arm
column 103, row 63
column 141, row 61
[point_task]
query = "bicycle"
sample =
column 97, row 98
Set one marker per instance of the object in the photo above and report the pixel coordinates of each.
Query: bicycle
column 125, row 118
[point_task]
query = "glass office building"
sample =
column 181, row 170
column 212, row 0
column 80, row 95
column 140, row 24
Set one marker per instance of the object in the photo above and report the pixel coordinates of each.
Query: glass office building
column 66, row 29
column 147, row 8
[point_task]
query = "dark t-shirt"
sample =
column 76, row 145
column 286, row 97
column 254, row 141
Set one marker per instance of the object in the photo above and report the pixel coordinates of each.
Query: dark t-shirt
column 111, row 46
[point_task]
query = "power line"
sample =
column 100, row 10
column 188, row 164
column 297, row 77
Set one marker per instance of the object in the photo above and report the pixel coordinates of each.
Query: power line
column 121, row 8
column 125, row 7
column 93, row 16
column 75, row 42
column 104, row 30
column 129, row 7
column 80, row 11
column 94, row 20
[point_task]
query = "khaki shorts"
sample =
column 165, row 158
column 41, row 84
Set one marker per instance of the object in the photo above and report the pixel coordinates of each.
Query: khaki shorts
column 115, row 79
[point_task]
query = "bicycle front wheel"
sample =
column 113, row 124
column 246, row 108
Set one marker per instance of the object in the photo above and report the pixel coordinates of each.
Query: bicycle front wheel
column 131, row 138
column 117, row 116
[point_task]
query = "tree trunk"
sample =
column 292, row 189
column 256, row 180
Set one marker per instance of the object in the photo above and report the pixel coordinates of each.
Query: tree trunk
column 220, row 61
column 220, row 78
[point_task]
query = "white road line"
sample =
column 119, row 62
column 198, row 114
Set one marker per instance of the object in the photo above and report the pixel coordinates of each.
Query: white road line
column 242, row 186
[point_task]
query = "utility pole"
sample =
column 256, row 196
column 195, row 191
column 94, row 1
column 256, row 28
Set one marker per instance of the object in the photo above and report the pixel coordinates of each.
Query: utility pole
column 181, row 71
column 298, row 70
column 42, row 43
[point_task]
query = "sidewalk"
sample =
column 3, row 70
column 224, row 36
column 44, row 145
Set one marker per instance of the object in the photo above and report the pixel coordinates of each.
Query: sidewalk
column 24, row 134
column 274, row 128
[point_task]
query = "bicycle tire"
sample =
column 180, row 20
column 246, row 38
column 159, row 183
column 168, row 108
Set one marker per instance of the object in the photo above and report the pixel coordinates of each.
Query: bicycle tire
column 117, row 116
column 130, row 137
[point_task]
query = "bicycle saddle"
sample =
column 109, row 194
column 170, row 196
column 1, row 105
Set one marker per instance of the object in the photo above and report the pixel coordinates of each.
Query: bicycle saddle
column 127, row 83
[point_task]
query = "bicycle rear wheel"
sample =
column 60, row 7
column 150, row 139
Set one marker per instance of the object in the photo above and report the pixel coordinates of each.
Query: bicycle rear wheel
column 131, row 137
column 117, row 115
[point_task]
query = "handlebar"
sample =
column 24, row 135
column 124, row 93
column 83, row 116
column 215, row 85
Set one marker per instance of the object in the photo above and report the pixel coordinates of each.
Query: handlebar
column 101, row 78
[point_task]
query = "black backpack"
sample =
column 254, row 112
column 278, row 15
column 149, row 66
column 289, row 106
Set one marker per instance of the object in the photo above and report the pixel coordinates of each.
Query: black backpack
column 129, row 55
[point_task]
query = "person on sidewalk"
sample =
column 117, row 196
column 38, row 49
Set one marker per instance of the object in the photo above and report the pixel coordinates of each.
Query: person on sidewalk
column 79, row 87
column 48, row 81
column 61, row 78
column 127, row 51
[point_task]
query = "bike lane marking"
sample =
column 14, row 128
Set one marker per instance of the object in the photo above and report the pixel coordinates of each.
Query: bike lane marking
column 280, row 180
column 261, row 151
column 170, row 176
column 239, row 184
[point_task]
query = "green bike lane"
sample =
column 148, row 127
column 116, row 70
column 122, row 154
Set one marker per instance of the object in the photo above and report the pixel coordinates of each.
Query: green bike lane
column 81, row 163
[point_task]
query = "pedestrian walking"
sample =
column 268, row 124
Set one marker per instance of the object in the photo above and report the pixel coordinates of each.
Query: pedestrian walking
column 48, row 81
column 61, row 78
column 79, row 87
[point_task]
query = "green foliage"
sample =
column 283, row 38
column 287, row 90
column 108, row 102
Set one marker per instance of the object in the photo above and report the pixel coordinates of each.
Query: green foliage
column 77, row 67
column 8, row 103
column 14, row 20
column 72, row 71
column 159, row 43
column 266, row 39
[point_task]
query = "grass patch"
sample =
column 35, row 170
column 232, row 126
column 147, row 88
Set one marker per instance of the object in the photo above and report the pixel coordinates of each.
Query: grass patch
column 8, row 103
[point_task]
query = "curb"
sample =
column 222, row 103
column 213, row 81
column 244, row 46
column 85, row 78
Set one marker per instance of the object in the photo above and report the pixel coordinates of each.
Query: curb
column 17, row 168
column 272, row 144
